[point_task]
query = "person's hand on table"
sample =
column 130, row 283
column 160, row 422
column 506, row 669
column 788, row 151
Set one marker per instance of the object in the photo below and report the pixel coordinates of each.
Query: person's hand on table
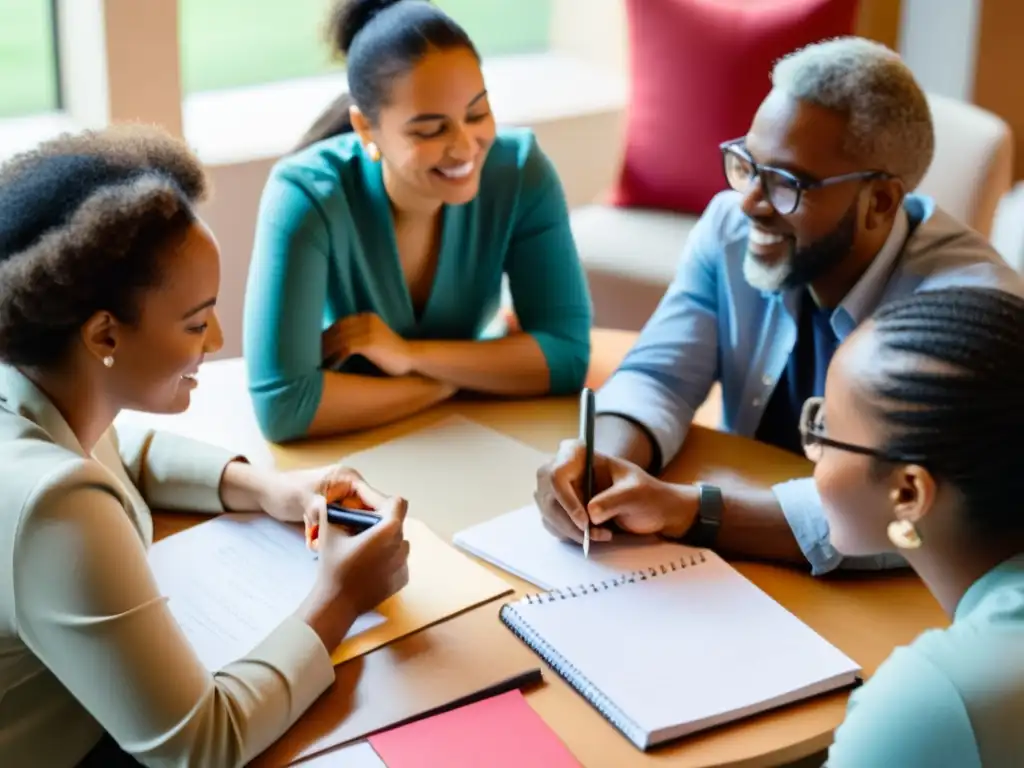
column 367, row 335
column 624, row 495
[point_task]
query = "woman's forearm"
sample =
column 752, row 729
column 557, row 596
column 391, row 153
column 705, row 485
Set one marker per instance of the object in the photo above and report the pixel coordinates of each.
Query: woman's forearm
column 241, row 487
column 350, row 402
column 514, row 365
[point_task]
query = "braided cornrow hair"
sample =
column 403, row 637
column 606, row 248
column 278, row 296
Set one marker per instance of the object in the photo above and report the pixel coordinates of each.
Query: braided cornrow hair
column 958, row 401
column 83, row 218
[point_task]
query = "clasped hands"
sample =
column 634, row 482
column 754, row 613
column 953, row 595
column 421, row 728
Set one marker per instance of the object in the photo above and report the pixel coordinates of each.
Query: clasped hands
column 625, row 497
column 367, row 335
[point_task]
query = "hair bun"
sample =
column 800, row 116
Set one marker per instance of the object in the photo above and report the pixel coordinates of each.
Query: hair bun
column 349, row 17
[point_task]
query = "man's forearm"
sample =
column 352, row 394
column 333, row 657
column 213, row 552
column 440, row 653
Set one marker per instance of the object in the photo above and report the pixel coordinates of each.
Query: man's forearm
column 619, row 437
column 753, row 525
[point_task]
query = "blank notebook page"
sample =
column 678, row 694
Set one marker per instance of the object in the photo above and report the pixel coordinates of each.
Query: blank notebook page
column 679, row 652
column 519, row 543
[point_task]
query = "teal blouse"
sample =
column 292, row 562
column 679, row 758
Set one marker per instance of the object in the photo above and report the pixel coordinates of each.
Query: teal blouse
column 325, row 249
column 954, row 697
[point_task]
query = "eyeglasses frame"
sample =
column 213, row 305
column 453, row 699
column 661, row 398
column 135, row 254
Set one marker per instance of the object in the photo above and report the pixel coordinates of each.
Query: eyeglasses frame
column 735, row 147
column 810, row 437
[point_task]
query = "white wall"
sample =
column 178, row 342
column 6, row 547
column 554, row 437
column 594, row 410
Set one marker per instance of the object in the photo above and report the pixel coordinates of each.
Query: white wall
column 940, row 46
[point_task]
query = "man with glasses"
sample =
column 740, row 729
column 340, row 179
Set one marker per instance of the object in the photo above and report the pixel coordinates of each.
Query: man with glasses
column 818, row 228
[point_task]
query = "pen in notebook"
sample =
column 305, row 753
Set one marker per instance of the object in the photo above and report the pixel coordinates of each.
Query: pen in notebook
column 587, row 436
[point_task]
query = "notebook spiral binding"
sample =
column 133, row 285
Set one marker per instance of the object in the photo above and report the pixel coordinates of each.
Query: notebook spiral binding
column 562, row 666
column 568, row 672
column 565, row 593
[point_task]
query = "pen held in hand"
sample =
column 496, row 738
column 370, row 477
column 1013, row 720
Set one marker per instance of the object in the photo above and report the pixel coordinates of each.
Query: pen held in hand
column 587, row 436
column 354, row 520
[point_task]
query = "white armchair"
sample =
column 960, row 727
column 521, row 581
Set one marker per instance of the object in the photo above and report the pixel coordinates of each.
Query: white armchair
column 630, row 255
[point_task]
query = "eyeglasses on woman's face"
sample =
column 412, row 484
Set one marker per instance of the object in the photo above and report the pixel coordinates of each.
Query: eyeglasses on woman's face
column 782, row 188
column 814, row 439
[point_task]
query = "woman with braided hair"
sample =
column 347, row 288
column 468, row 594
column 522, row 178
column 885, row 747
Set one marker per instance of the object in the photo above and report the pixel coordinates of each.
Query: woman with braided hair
column 917, row 444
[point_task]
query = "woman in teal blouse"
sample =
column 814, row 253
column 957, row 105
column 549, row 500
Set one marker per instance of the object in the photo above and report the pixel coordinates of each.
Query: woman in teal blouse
column 918, row 449
column 382, row 243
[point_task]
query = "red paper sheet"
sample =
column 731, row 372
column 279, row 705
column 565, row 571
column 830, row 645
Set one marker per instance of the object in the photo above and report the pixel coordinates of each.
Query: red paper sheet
column 499, row 732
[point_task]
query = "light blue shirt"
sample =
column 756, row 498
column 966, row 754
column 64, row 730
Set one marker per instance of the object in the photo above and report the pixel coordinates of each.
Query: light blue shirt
column 953, row 697
column 712, row 325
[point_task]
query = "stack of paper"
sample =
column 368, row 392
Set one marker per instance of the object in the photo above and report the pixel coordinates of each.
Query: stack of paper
column 230, row 581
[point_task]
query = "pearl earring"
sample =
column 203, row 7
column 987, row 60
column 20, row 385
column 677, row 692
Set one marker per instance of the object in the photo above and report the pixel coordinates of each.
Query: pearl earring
column 903, row 534
column 109, row 361
column 374, row 151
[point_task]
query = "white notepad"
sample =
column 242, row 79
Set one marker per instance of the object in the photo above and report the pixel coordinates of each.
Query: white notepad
column 519, row 543
column 679, row 648
column 232, row 579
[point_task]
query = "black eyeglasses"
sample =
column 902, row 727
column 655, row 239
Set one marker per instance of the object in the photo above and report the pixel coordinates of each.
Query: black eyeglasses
column 782, row 188
column 814, row 439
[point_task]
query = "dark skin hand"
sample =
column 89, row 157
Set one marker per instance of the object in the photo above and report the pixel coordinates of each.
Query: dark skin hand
column 631, row 500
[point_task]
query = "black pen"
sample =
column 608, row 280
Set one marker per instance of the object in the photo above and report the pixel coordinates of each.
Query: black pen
column 587, row 436
column 357, row 520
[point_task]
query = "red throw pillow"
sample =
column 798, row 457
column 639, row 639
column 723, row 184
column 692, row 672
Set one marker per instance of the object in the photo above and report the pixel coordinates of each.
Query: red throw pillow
column 699, row 69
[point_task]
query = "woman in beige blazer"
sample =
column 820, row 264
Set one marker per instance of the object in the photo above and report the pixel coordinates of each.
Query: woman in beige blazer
column 108, row 281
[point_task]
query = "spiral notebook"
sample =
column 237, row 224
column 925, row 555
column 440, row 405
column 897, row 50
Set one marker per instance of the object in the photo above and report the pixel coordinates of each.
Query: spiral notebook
column 670, row 650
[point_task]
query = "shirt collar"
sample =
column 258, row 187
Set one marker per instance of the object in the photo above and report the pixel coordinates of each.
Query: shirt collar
column 1008, row 571
column 860, row 302
column 19, row 395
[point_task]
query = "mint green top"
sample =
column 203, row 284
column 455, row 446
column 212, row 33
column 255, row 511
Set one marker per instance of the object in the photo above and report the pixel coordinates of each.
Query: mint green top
column 953, row 697
column 325, row 249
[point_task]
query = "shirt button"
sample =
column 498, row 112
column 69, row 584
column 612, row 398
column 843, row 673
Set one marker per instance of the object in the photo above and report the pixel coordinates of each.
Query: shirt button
column 767, row 381
column 757, row 402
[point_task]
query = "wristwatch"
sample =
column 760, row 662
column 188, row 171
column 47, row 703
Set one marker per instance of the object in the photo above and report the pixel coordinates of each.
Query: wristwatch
column 704, row 530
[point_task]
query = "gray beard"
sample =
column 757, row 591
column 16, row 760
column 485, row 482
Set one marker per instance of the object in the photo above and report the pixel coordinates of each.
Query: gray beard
column 804, row 265
column 767, row 278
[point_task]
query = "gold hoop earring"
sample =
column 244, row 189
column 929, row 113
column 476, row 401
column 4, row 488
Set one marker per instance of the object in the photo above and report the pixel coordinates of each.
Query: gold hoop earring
column 109, row 361
column 374, row 151
column 903, row 534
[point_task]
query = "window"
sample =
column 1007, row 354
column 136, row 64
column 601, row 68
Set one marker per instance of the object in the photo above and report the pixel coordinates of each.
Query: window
column 500, row 27
column 28, row 63
column 235, row 43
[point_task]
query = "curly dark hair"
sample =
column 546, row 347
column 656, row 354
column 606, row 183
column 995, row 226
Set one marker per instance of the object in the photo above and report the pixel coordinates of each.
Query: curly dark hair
column 83, row 219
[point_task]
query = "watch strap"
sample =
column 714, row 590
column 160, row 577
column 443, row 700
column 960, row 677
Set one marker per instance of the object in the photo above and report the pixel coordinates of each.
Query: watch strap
column 710, row 506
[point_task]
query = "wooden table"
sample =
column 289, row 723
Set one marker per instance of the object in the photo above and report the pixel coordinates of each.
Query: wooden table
column 865, row 616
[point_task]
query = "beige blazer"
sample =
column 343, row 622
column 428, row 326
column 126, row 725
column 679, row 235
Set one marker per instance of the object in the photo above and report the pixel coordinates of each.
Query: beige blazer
column 87, row 643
